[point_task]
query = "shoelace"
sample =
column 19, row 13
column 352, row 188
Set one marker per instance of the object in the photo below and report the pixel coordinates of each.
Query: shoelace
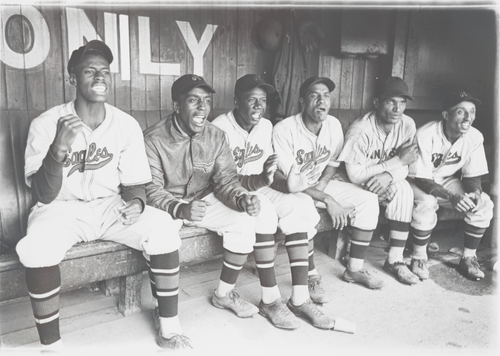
column 181, row 340
column 312, row 307
column 474, row 262
column 315, row 284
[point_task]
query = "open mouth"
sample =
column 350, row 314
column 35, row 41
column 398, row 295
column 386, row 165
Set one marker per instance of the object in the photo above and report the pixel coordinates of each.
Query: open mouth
column 199, row 120
column 99, row 88
column 256, row 115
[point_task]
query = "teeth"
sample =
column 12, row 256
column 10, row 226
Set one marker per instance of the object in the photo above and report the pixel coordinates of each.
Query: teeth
column 199, row 119
column 99, row 88
column 256, row 116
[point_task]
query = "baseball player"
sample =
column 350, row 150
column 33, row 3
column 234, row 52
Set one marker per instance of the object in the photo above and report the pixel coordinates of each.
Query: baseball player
column 377, row 151
column 86, row 166
column 314, row 138
column 447, row 147
column 250, row 140
column 195, row 181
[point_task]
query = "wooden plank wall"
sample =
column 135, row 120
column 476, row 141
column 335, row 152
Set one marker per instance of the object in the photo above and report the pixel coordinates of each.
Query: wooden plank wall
column 231, row 54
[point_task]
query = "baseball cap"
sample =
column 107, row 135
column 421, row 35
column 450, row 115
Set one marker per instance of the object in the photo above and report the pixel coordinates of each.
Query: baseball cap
column 188, row 82
column 309, row 82
column 394, row 86
column 94, row 46
column 455, row 98
column 251, row 81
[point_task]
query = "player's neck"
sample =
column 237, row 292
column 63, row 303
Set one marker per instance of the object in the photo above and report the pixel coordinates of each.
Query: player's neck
column 384, row 127
column 241, row 122
column 450, row 135
column 312, row 125
column 91, row 113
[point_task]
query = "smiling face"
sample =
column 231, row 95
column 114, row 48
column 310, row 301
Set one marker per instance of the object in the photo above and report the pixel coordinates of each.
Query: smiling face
column 250, row 107
column 193, row 109
column 389, row 110
column 316, row 103
column 459, row 119
column 92, row 78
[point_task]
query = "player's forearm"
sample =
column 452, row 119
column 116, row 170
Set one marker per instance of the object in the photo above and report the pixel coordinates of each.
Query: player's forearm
column 472, row 184
column 399, row 174
column 360, row 174
column 431, row 187
column 46, row 183
column 134, row 192
column 280, row 182
column 252, row 182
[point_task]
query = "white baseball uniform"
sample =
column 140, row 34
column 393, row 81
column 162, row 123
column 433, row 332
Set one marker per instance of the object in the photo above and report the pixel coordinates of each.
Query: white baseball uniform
column 296, row 212
column 439, row 160
column 293, row 142
column 369, row 151
column 99, row 162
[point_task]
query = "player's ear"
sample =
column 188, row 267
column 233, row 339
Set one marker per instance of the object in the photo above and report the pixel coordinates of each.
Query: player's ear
column 175, row 105
column 301, row 102
column 444, row 113
column 375, row 103
column 236, row 103
column 72, row 79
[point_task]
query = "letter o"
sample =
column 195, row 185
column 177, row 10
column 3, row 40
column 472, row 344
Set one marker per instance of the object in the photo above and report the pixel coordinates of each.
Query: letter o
column 40, row 38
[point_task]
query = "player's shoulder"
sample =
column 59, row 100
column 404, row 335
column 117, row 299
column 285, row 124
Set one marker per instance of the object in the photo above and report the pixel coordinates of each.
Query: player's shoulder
column 287, row 123
column 157, row 128
column 407, row 121
column 361, row 126
column 222, row 120
column 122, row 116
column 53, row 114
column 474, row 136
column 431, row 127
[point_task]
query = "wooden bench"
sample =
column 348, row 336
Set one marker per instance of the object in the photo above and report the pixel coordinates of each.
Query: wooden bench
column 115, row 265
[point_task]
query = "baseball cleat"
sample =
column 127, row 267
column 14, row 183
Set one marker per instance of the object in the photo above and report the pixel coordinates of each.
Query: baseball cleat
column 419, row 268
column 310, row 311
column 278, row 314
column 470, row 268
column 316, row 291
column 401, row 272
column 363, row 277
column 232, row 301
column 176, row 341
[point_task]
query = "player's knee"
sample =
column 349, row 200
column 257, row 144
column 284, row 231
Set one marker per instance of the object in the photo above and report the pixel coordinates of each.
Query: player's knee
column 267, row 220
column 34, row 252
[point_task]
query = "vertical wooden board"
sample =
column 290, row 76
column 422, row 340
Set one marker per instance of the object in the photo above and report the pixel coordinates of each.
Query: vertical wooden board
column 225, row 54
column 247, row 52
column 137, row 80
column 69, row 90
column 122, row 87
column 370, row 83
column 346, row 83
column 331, row 68
column 140, row 116
column 401, row 32
column 35, row 77
column 152, row 117
column 3, row 86
column 412, row 53
column 173, row 49
column 15, row 78
column 54, row 65
column 358, row 83
column 152, row 81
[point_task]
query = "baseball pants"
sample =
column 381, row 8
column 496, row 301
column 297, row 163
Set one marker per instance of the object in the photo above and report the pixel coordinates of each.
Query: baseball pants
column 236, row 228
column 425, row 207
column 365, row 203
column 54, row 228
column 296, row 212
column 400, row 208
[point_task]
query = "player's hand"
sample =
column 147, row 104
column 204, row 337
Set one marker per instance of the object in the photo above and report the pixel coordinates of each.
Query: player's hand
column 409, row 154
column 194, row 211
column 129, row 212
column 270, row 167
column 340, row 215
column 386, row 196
column 476, row 199
column 378, row 183
column 300, row 181
column 68, row 128
column 462, row 202
column 251, row 204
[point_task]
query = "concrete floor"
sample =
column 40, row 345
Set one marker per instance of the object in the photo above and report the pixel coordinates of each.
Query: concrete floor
column 447, row 314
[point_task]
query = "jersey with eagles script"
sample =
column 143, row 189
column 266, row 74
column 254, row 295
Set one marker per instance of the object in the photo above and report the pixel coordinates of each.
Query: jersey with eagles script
column 293, row 142
column 250, row 149
column 440, row 159
column 99, row 160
